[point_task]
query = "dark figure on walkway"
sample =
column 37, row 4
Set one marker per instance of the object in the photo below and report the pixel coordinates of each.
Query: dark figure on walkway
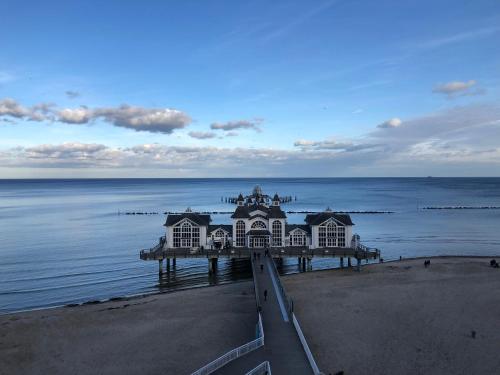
column 493, row 263
column 427, row 263
column 265, row 295
column 261, row 268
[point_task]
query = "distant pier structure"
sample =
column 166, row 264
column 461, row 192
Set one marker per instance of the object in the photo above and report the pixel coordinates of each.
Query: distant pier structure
column 258, row 197
column 259, row 225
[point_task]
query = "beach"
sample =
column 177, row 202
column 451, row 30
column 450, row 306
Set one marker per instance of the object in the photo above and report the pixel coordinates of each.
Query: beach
column 391, row 318
column 170, row 333
column 402, row 318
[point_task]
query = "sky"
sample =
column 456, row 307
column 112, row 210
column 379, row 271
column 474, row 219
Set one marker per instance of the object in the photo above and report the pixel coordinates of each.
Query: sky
column 336, row 88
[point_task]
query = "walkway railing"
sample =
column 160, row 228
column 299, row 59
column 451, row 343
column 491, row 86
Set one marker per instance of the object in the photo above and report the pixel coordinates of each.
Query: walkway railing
column 244, row 349
column 235, row 353
column 296, row 324
column 263, row 369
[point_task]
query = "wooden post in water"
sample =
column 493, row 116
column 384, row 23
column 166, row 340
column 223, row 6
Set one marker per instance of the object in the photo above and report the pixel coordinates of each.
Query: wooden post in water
column 341, row 262
column 349, row 262
column 358, row 265
column 174, row 262
column 160, row 266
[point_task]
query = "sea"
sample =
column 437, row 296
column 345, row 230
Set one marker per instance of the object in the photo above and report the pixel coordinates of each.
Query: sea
column 69, row 241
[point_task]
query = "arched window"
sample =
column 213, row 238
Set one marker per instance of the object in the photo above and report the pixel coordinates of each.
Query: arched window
column 327, row 234
column 298, row 238
column 277, row 239
column 219, row 233
column 240, row 233
column 259, row 225
column 186, row 235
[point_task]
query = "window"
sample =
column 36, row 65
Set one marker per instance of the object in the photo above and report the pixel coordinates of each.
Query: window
column 277, row 239
column 240, row 233
column 186, row 235
column 341, row 236
column 298, row 238
column 177, row 237
column 327, row 235
column 259, row 225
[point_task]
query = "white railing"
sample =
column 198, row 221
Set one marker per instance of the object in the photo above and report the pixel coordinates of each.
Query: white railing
column 263, row 369
column 235, row 353
column 302, row 338
column 296, row 324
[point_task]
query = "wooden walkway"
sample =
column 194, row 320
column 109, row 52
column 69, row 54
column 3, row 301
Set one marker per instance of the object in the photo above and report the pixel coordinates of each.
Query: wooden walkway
column 282, row 347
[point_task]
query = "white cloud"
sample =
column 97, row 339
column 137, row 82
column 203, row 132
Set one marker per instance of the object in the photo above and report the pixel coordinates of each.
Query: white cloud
column 239, row 124
column 202, row 135
column 331, row 145
column 457, row 88
column 9, row 107
column 391, row 123
column 80, row 115
column 154, row 120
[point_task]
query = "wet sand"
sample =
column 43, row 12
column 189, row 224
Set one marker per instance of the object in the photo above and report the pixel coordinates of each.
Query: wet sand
column 402, row 318
column 173, row 333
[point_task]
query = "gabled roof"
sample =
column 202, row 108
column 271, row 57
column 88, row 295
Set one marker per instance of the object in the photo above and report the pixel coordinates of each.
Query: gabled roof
column 241, row 212
column 275, row 212
column 290, row 227
column 321, row 217
column 227, row 227
column 200, row 219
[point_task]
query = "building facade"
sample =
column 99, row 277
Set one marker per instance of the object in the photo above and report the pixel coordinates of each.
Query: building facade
column 259, row 222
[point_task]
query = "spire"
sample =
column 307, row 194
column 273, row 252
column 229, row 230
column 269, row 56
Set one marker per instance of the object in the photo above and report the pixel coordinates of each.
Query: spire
column 276, row 200
column 240, row 201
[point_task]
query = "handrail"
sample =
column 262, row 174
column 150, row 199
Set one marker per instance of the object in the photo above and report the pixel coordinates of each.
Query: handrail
column 303, row 341
column 263, row 368
column 234, row 353
column 296, row 324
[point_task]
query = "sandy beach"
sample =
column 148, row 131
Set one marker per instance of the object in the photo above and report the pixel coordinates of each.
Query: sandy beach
column 173, row 333
column 402, row 318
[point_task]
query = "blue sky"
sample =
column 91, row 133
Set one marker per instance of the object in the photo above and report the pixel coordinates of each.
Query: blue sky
column 222, row 88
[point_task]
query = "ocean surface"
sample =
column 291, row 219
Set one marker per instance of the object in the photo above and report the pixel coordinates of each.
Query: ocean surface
column 69, row 241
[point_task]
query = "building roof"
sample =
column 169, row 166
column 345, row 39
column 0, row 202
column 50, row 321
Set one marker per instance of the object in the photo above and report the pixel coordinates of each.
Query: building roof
column 321, row 217
column 258, row 232
column 241, row 212
column 273, row 212
column 240, row 198
column 200, row 219
column 289, row 227
column 276, row 197
column 226, row 227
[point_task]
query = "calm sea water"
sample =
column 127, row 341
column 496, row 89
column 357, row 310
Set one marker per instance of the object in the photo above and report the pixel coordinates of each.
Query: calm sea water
column 68, row 241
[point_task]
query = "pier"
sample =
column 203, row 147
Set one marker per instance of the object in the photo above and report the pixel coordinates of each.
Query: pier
column 304, row 255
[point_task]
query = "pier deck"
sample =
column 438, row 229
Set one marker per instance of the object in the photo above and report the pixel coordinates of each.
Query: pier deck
column 362, row 252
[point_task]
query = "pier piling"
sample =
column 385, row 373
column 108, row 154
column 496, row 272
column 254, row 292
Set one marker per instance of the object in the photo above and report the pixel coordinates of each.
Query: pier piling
column 349, row 262
column 160, row 266
column 358, row 267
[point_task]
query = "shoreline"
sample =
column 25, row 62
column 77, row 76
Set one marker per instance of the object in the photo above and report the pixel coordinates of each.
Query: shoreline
column 144, row 295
